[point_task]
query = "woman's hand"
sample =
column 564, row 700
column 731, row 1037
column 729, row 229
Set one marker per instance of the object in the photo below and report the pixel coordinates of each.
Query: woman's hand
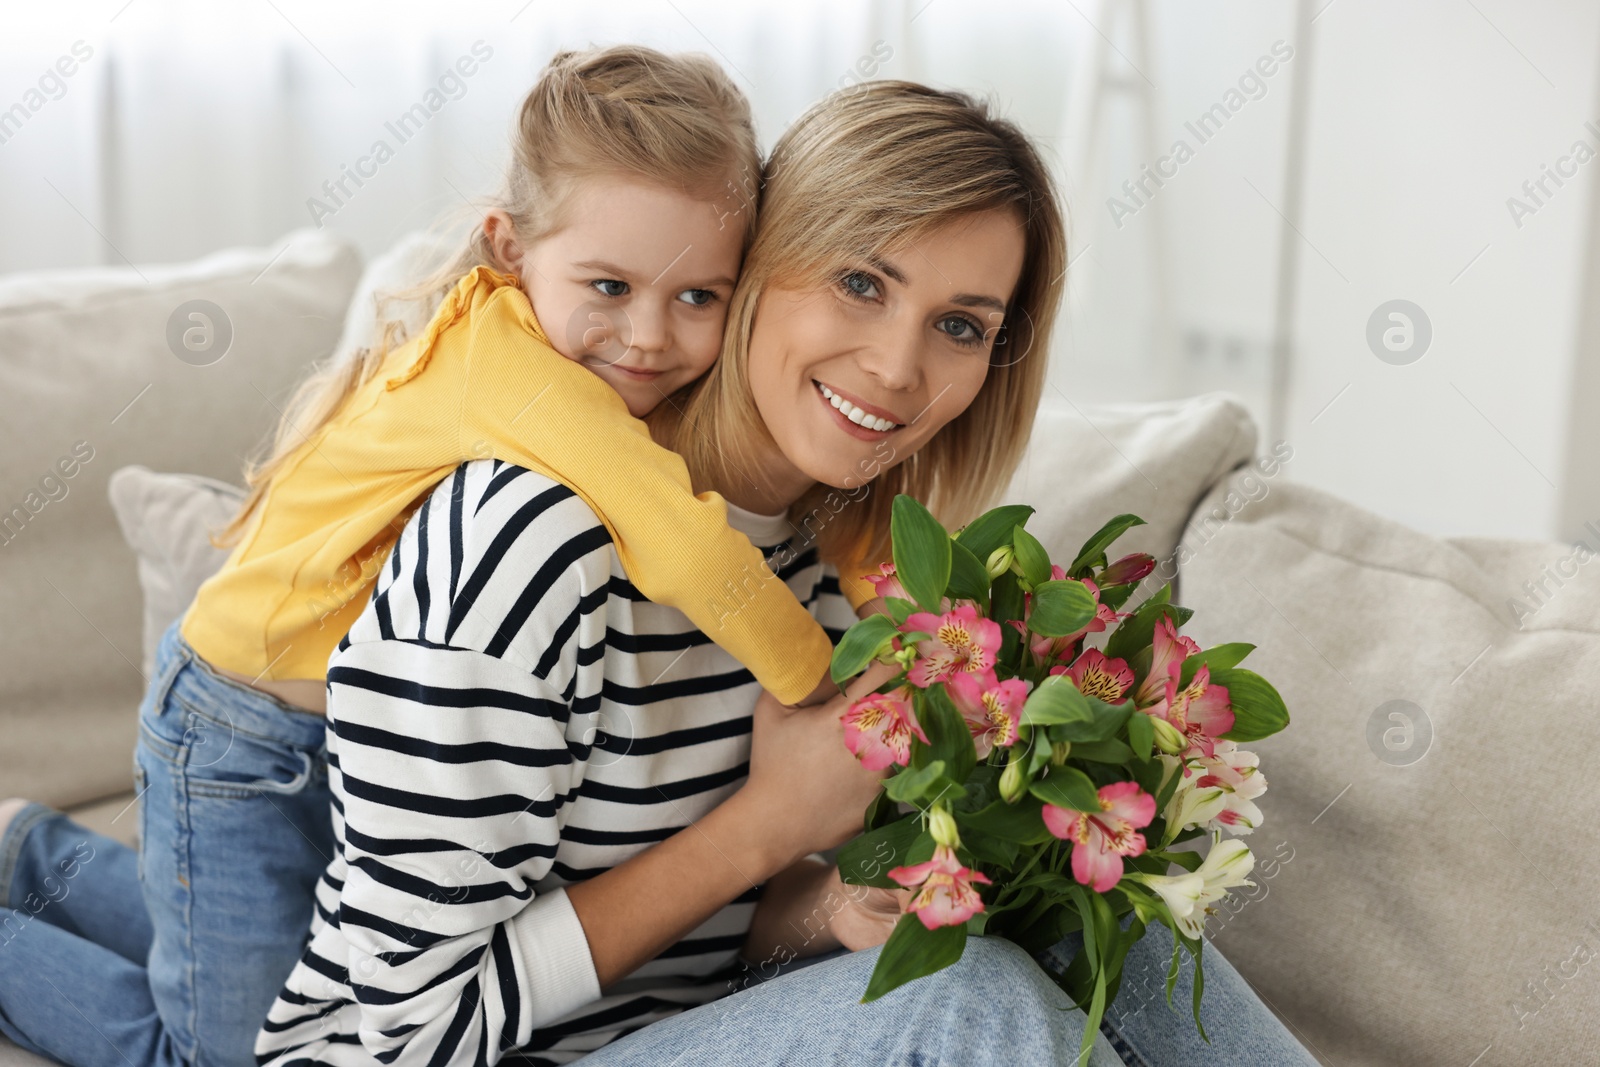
column 869, row 915
column 804, row 784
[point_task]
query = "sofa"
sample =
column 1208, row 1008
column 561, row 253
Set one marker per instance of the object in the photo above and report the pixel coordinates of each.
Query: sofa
column 1418, row 898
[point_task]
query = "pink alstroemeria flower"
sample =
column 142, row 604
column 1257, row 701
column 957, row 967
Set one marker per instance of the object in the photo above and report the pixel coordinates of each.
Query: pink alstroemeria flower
column 1168, row 651
column 993, row 710
column 1200, row 711
column 1097, row 676
column 886, row 583
column 945, row 894
column 961, row 642
column 878, row 729
column 1100, row 839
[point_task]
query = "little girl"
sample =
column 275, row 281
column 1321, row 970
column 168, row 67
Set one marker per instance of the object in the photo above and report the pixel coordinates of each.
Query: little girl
column 595, row 289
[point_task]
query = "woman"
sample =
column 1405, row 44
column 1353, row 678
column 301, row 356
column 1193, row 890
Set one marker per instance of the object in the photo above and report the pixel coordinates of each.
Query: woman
column 557, row 822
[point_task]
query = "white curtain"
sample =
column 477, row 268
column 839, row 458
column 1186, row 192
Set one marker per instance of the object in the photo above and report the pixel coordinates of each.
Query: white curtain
column 193, row 126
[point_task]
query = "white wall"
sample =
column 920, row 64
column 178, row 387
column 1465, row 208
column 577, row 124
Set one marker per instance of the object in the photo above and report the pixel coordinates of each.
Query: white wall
column 194, row 126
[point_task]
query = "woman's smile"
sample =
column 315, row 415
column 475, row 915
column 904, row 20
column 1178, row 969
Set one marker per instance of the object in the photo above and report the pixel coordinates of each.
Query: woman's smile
column 856, row 417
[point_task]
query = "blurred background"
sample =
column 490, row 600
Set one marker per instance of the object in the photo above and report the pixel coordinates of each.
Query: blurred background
column 1372, row 222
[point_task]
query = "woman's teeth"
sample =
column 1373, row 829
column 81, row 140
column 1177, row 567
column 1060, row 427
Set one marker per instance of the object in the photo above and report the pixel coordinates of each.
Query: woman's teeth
column 855, row 414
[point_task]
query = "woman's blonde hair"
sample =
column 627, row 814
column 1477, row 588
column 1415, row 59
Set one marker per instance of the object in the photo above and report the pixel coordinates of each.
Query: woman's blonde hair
column 674, row 120
column 866, row 171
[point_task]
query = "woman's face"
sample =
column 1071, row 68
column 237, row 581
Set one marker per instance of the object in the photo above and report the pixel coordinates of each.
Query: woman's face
column 854, row 377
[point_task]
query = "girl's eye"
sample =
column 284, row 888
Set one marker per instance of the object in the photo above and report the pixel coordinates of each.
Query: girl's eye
column 697, row 297
column 962, row 329
column 610, row 287
column 859, row 284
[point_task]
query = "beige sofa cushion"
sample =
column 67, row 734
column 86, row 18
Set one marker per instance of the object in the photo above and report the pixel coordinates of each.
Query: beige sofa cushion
column 87, row 359
column 168, row 520
column 1085, row 465
column 1435, row 905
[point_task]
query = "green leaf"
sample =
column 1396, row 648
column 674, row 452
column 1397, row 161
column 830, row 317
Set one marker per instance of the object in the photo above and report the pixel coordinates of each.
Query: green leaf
column 949, row 736
column 881, row 811
column 1056, row 700
column 1109, row 751
column 1067, row 787
column 1170, row 788
column 1060, row 608
column 913, row 951
column 968, row 578
column 921, row 551
column 900, row 610
column 1136, row 632
column 1218, row 658
column 867, row 860
column 1007, row 602
column 1189, row 861
column 913, row 784
column 1173, row 968
column 992, row 529
column 1031, row 556
column 1258, row 710
column 992, row 851
column 1093, row 552
column 1091, row 1025
column 1141, row 735
column 859, row 646
column 1039, row 751
column 1019, row 823
column 1114, row 596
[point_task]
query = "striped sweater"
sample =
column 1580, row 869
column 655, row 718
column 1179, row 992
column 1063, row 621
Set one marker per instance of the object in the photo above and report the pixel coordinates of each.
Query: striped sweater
column 509, row 716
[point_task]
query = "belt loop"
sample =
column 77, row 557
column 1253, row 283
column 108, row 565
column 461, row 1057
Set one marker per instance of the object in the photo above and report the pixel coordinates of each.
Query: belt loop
column 179, row 657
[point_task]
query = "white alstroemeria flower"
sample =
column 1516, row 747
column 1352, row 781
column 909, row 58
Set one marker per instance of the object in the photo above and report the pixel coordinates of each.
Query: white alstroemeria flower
column 1191, row 803
column 1237, row 773
column 1189, row 896
column 1180, row 892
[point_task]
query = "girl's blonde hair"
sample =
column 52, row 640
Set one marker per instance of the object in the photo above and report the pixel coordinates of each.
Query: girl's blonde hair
column 674, row 120
column 866, row 171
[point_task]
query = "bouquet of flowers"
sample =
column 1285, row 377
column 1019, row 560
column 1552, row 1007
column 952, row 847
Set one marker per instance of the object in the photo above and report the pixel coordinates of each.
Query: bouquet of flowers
column 1042, row 785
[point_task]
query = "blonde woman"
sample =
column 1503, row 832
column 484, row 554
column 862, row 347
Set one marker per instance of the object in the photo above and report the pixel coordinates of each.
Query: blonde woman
column 563, row 825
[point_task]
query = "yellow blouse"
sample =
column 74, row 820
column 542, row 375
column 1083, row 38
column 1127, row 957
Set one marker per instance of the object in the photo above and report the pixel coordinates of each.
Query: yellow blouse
column 483, row 382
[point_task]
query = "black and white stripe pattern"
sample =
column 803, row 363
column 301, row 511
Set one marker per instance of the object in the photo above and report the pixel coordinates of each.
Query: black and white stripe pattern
column 509, row 716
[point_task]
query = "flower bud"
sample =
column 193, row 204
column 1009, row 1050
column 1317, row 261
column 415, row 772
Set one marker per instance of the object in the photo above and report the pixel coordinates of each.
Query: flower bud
column 1000, row 561
column 1168, row 739
column 942, row 825
column 1012, row 785
column 1059, row 752
column 1131, row 568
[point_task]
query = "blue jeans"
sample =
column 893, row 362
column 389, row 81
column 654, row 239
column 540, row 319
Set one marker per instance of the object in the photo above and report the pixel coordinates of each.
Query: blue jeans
column 994, row 1005
column 171, row 956
column 1147, row 1033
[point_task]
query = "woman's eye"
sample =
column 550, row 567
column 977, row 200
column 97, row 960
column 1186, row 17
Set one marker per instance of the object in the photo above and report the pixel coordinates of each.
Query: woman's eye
column 962, row 329
column 610, row 287
column 698, row 297
column 859, row 284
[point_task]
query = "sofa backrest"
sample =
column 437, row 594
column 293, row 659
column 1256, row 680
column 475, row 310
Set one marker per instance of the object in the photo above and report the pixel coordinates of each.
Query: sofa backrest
column 100, row 369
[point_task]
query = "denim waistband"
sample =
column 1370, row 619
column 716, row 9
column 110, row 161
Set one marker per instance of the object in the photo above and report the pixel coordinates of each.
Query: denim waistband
column 183, row 674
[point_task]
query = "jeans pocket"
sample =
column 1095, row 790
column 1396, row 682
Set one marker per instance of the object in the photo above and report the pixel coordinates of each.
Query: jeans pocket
column 219, row 760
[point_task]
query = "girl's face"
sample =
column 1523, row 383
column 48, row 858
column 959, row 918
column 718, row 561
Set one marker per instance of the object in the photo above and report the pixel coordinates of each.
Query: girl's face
column 634, row 284
column 853, row 378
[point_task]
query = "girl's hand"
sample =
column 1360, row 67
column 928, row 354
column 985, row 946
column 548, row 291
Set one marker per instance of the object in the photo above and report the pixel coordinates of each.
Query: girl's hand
column 869, row 915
